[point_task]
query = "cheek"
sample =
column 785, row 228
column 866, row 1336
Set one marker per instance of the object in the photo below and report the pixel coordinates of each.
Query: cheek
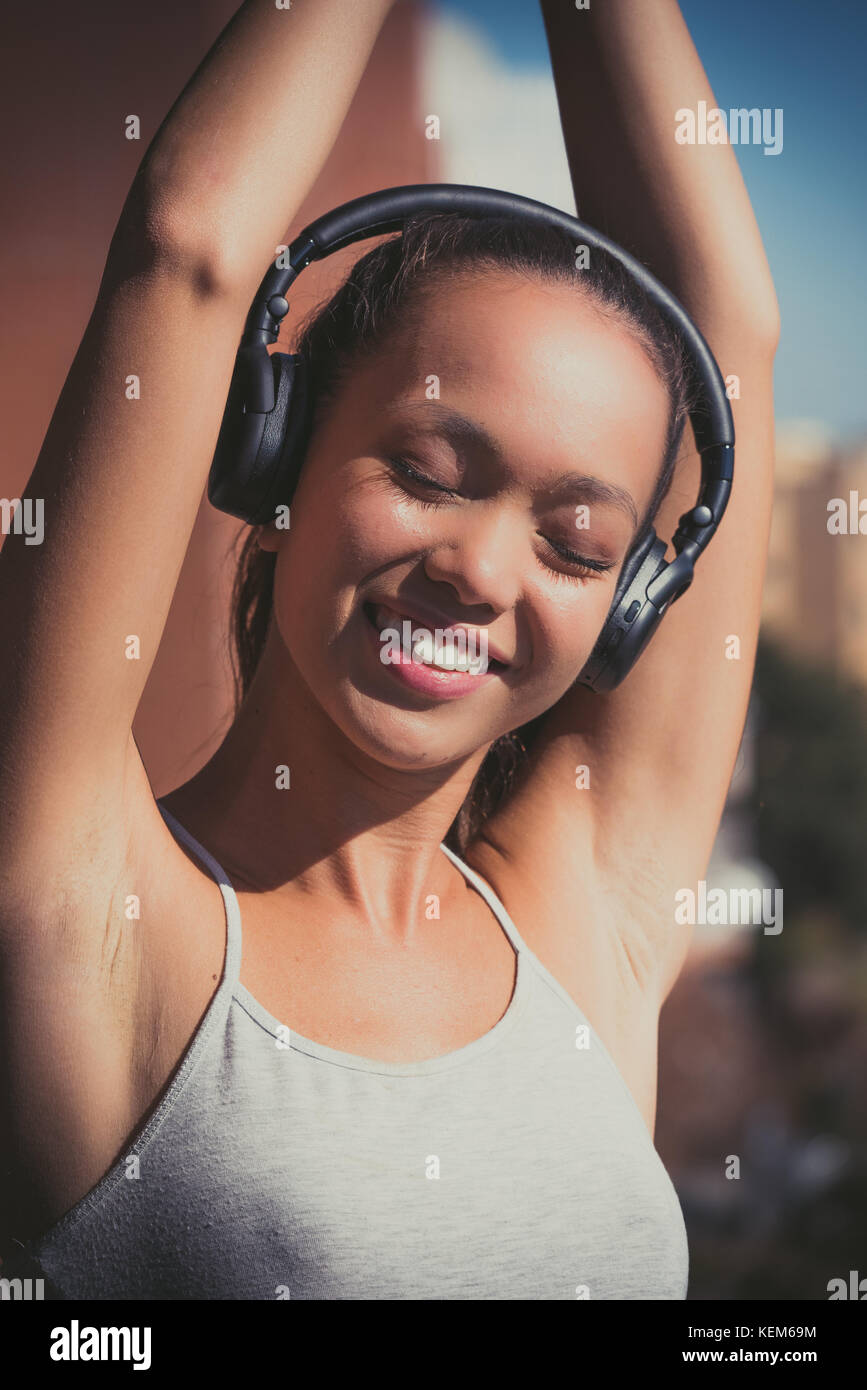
column 566, row 630
column 353, row 515
column 337, row 540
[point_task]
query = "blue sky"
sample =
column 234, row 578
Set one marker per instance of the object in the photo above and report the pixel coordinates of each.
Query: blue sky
column 810, row 200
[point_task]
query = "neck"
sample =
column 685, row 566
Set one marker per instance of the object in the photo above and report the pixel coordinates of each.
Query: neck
column 288, row 804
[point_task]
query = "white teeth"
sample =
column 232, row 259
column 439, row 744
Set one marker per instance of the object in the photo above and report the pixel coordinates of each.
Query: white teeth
column 423, row 650
column 446, row 653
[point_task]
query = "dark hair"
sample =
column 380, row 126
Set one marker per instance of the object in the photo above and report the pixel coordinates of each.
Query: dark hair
column 384, row 286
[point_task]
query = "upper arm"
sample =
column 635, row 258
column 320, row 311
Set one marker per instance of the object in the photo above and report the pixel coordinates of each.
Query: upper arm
column 119, row 479
column 661, row 747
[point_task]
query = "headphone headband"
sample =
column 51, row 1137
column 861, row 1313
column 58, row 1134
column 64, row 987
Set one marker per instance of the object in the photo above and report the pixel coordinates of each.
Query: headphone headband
column 256, row 388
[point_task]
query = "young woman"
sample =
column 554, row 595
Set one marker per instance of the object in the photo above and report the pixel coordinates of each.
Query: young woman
column 428, row 1069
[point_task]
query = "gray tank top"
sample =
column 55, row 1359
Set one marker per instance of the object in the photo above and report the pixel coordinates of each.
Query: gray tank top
column 517, row 1167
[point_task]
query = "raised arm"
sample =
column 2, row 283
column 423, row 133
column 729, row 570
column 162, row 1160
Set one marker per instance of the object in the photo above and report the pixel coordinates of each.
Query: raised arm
column 124, row 462
column 662, row 747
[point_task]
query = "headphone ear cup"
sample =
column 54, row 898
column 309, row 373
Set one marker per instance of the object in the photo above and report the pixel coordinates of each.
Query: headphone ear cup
column 285, row 435
column 632, row 618
column 258, row 452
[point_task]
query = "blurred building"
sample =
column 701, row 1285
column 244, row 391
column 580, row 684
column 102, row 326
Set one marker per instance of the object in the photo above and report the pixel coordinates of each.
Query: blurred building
column 815, row 599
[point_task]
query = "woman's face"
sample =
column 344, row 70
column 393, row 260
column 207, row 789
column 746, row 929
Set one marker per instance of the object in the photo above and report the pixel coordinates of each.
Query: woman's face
column 541, row 426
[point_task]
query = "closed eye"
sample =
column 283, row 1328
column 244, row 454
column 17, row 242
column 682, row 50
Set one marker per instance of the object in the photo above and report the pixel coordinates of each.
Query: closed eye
column 401, row 466
column 586, row 568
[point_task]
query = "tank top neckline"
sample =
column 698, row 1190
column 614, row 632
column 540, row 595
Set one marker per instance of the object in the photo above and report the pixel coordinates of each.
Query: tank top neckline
column 230, row 987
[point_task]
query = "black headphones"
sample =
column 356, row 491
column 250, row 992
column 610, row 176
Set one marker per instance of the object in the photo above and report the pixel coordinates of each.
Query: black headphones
column 260, row 446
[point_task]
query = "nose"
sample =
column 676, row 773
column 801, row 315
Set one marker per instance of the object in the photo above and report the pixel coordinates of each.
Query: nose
column 478, row 559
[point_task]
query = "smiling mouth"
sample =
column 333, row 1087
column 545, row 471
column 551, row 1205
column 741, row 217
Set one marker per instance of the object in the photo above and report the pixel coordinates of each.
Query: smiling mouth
column 427, row 651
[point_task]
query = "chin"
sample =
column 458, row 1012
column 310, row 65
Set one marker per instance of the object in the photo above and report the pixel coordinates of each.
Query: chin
column 406, row 740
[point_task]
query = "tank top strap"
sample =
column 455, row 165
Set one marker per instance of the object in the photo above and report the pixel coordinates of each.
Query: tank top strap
column 491, row 899
column 232, row 967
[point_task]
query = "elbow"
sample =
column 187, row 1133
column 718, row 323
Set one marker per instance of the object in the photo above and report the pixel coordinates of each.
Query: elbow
column 759, row 309
column 744, row 329
column 165, row 235
column 764, row 317
column 200, row 254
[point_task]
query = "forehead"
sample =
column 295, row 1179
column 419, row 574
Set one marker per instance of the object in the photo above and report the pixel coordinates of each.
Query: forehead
column 538, row 365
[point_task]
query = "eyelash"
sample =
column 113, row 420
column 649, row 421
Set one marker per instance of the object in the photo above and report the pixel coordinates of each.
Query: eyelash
column 588, row 568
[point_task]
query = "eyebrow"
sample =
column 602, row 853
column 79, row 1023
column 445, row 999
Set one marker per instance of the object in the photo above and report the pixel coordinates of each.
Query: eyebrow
column 561, row 487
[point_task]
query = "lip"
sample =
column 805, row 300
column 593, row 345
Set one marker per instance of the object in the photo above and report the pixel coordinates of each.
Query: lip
column 423, row 679
column 431, row 618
